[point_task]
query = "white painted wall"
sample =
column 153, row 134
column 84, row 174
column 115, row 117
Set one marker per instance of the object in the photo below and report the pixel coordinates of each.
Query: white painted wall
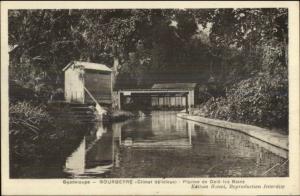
column 74, row 85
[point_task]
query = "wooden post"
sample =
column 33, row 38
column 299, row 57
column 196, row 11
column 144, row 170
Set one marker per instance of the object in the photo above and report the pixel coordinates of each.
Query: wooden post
column 119, row 100
column 186, row 103
column 190, row 102
column 190, row 133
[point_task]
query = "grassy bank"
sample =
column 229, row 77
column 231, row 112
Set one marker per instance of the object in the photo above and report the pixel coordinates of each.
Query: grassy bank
column 41, row 136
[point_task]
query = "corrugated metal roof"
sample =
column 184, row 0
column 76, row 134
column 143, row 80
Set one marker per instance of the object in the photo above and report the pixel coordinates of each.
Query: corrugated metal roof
column 174, row 86
column 89, row 65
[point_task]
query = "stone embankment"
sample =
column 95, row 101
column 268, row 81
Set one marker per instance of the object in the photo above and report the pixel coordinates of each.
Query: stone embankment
column 265, row 135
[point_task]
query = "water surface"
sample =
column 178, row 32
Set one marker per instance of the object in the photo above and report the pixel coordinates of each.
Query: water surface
column 162, row 145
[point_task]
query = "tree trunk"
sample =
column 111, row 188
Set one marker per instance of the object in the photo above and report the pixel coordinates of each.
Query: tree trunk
column 115, row 70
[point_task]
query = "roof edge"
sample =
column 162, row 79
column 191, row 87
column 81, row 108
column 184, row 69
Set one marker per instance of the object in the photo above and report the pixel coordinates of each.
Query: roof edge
column 67, row 66
column 109, row 70
column 169, row 85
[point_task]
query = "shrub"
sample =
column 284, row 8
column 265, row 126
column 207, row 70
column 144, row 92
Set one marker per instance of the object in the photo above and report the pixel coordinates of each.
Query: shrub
column 25, row 129
column 42, row 134
column 260, row 100
column 25, row 118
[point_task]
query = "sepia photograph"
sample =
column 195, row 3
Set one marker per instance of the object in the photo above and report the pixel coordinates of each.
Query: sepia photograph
column 149, row 93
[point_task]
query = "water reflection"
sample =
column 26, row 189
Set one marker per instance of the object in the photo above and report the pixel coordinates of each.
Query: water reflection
column 163, row 145
column 93, row 158
column 75, row 164
column 162, row 131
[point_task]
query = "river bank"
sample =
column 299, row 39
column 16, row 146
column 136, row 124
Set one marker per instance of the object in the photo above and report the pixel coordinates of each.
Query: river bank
column 43, row 135
column 265, row 135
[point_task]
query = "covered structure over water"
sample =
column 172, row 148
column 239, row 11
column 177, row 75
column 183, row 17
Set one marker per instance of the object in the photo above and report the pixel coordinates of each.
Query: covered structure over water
column 160, row 96
column 170, row 101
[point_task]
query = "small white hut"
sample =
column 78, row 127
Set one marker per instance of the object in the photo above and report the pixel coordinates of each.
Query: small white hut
column 87, row 82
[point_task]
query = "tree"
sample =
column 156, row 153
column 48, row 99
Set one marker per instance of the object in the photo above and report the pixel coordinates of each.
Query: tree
column 159, row 40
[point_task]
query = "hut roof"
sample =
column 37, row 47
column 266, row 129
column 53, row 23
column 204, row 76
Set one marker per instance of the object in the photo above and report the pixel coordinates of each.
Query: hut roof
column 88, row 65
column 190, row 86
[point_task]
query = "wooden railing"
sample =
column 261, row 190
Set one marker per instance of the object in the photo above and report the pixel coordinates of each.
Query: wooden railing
column 91, row 96
column 98, row 107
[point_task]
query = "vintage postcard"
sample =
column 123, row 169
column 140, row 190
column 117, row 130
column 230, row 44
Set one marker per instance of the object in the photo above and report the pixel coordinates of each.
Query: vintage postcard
column 150, row 98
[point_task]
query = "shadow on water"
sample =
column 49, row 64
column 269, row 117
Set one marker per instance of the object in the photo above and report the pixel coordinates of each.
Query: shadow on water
column 162, row 145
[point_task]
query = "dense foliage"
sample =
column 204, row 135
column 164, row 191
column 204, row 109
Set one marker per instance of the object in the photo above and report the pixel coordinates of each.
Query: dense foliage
column 253, row 68
column 240, row 55
column 265, row 102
